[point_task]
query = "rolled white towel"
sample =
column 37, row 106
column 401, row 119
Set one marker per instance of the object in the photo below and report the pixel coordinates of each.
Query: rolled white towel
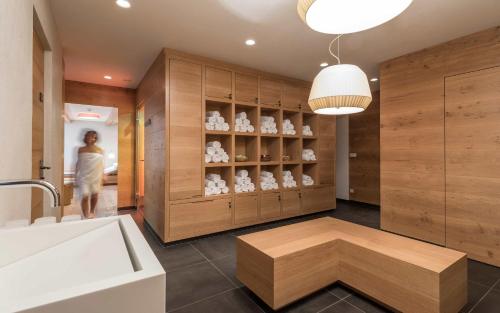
column 210, row 150
column 242, row 173
column 216, row 158
column 250, row 129
column 225, row 189
column 221, row 183
column 212, row 120
column 209, row 126
column 208, row 158
column 215, row 144
column 266, row 174
column 211, row 183
column 241, row 115
column 213, row 113
column 225, row 127
column 213, row 177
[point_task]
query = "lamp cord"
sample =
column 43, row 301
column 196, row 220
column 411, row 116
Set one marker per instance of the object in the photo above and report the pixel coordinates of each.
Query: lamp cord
column 337, row 39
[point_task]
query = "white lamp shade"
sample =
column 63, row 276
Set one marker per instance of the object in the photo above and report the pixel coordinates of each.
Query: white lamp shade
column 348, row 16
column 340, row 89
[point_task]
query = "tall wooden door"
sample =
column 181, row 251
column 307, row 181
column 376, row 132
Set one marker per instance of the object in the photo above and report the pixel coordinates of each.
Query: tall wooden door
column 37, row 126
column 473, row 164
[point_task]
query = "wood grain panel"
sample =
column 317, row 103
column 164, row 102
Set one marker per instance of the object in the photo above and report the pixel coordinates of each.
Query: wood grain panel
column 152, row 96
column 218, row 83
column 185, row 130
column 270, row 206
column 246, row 209
column 326, row 155
column 246, row 88
column 270, row 92
column 473, row 164
column 37, row 123
column 292, row 96
column 412, row 131
column 125, row 101
column 290, row 202
column 364, row 140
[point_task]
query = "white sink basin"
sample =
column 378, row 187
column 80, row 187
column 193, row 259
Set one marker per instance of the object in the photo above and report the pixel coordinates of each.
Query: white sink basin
column 100, row 265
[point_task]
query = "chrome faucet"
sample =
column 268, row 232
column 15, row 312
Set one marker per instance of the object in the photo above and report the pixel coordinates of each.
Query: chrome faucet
column 42, row 184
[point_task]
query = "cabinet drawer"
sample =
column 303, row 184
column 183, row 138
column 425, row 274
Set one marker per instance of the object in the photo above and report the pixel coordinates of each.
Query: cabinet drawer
column 246, row 209
column 270, row 205
column 318, row 198
column 199, row 218
column 218, row 83
column 290, row 202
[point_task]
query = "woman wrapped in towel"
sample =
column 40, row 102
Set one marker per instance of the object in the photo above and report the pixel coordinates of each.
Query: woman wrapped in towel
column 89, row 173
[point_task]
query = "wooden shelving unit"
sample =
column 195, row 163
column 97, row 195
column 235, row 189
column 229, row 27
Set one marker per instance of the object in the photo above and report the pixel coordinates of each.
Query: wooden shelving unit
column 230, row 90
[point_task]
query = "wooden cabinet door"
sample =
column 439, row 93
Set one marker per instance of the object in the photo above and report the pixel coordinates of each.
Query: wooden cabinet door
column 290, row 202
column 246, row 209
column 246, row 88
column 270, row 206
column 218, row 83
column 185, row 154
column 472, row 146
column 292, row 96
column 270, row 92
column 318, row 199
column 199, row 218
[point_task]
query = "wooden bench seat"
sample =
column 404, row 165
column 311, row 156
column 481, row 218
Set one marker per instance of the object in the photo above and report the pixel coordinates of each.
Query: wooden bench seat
column 284, row 264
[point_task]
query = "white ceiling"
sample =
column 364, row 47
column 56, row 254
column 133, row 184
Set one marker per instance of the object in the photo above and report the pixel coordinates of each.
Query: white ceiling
column 100, row 38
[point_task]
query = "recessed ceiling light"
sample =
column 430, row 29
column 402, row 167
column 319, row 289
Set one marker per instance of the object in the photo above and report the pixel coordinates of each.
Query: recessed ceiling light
column 123, row 4
column 107, row 77
column 324, row 64
column 250, row 42
column 374, row 79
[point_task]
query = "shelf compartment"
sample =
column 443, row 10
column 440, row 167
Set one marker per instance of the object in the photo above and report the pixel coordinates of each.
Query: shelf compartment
column 252, row 115
column 296, row 120
column 226, row 143
column 270, row 146
column 310, row 169
column 276, row 170
column 276, row 114
column 246, row 145
column 253, row 173
column 226, row 173
column 310, row 144
column 310, row 119
column 296, row 170
column 292, row 148
column 225, row 110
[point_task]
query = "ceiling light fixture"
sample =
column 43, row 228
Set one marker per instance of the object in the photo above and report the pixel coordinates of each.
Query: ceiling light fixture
column 250, row 42
column 348, row 16
column 108, row 77
column 340, row 89
column 374, row 79
column 324, row 64
column 123, row 4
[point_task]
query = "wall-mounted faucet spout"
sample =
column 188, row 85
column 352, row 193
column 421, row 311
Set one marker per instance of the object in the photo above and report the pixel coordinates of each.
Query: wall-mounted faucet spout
column 42, row 184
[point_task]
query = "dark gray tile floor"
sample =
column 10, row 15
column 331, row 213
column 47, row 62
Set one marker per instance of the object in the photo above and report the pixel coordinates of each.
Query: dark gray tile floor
column 201, row 274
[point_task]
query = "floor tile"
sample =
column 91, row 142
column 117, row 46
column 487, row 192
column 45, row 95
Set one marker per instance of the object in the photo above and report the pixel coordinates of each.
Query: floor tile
column 483, row 273
column 366, row 304
column 216, row 247
column 228, row 266
column 232, row 301
column 342, row 307
column 194, row 283
column 310, row 304
column 339, row 290
column 490, row 303
column 178, row 256
column 475, row 292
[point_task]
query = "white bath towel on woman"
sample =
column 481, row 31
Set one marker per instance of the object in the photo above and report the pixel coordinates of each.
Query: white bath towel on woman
column 89, row 171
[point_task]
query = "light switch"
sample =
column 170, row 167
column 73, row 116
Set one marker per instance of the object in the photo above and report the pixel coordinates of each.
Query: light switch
column 353, row 155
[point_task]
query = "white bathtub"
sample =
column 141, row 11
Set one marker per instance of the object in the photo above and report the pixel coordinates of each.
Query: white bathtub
column 91, row 266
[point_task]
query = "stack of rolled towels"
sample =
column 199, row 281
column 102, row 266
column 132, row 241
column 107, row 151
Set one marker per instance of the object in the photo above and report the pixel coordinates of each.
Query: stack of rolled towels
column 267, row 181
column 243, row 182
column 288, row 128
column 306, row 130
column 215, row 185
column 242, row 123
column 268, row 125
column 308, row 155
column 215, row 121
column 307, row 180
column 288, row 180
column 214, row 153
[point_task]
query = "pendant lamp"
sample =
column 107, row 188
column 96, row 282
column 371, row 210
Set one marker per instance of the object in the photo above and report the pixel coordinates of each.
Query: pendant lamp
column 348, row 16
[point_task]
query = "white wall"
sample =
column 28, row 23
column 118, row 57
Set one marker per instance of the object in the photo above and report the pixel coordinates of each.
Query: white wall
column 16, row 48
column 73, row 135
column 342, row 157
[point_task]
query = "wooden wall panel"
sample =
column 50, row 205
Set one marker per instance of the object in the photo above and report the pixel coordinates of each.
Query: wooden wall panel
column 327, row 142
column 412, row 131
column 473, row 164
column 123, row 99
column 185, row 157
column 364, row 140
column 151, row 94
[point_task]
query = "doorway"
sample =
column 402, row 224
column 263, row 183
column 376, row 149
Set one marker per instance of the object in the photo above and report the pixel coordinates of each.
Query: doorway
column 80, row 119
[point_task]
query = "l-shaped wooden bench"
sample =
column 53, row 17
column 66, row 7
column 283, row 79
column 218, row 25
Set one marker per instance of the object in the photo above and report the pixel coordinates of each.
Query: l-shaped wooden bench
column 284, row 264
